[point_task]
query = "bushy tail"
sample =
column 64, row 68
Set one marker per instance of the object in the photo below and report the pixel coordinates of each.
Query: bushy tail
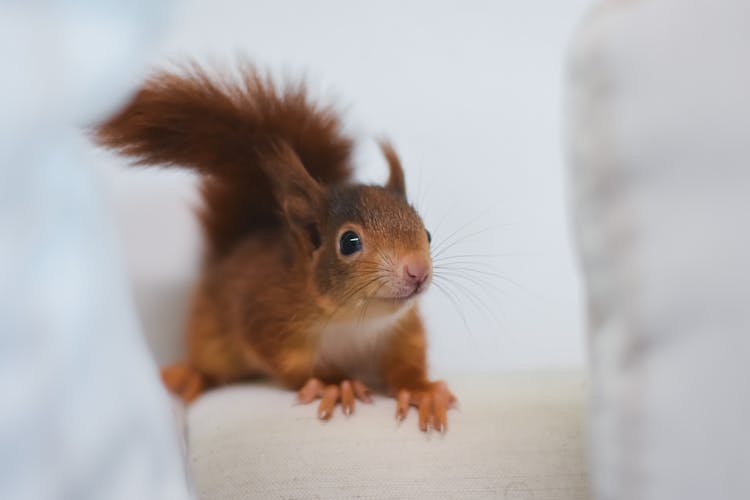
column 221, row 127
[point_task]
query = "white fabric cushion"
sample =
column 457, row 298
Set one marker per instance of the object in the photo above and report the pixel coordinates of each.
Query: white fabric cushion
column 514, row 437
column 660, row 143
column 83, row 414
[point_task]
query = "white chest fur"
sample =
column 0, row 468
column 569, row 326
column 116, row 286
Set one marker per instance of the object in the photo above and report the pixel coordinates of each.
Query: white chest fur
column 353, row 345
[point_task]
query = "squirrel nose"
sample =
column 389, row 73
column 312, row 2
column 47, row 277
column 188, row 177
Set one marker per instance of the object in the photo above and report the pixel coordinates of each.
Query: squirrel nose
column 416, row 270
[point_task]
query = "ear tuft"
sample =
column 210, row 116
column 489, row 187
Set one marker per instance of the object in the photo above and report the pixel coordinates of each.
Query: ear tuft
column 396, row 182
column 301, row 197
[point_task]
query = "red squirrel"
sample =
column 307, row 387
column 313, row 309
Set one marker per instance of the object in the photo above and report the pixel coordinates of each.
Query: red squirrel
column 309, row 278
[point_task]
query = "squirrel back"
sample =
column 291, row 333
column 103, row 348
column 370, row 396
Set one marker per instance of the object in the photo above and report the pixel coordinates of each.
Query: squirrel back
column 224, row 128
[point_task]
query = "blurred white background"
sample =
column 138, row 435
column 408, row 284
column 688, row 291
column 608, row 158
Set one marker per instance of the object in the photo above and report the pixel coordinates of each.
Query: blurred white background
column 470, row 92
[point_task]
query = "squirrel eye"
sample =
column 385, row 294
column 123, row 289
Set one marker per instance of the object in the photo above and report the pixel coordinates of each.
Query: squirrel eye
column 429, row 236
column 350, row 243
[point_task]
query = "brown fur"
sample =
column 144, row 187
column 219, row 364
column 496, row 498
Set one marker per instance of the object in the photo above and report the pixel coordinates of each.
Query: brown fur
column 222, row 128
column 277, row 295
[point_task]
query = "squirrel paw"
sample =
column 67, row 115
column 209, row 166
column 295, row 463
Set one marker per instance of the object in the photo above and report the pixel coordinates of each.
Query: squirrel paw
column 433, row 404
column 184, row 381
column 344, row 392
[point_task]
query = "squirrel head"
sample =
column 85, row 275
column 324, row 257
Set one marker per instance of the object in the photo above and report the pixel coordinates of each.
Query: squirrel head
column 366, row 244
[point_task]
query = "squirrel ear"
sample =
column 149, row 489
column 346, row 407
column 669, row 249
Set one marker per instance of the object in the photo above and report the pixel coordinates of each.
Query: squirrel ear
column 301, row 197
column 396, row 181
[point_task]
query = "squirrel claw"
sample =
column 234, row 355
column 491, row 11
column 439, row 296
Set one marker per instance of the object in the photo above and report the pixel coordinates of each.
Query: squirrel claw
column 184, row 381
column 345, row 393
column 432, row 403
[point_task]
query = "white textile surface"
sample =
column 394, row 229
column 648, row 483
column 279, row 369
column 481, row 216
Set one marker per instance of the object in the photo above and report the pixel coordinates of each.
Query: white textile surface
column 83, row 415
column 660, row 156
column 515, row 437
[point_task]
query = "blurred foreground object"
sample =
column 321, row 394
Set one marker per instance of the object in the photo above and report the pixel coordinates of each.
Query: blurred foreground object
column 83, row 413
column 659, row 135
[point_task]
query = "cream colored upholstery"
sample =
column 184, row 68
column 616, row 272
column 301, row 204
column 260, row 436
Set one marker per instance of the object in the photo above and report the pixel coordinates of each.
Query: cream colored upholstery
column 515, row 437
